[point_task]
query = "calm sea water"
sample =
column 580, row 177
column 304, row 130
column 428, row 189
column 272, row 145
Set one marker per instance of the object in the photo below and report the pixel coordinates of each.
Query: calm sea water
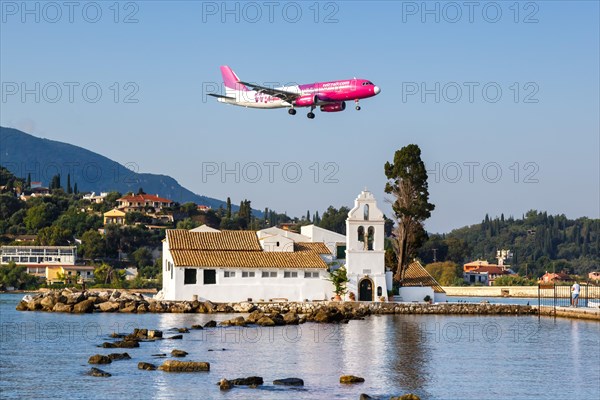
column 44, row 355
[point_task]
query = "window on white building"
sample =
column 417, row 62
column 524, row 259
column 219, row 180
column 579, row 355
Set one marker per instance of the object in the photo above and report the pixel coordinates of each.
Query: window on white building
column 189, row 276
column 210, row 276
column 229, row 274
column 290, row 274
column 269, row 274
column 247, row 274
column 311, row 274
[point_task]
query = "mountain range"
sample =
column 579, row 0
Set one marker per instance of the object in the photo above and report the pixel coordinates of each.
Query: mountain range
column 24, row 154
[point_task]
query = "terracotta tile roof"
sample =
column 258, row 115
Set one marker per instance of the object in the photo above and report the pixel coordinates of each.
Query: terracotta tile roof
column 557, row 275
column 315, row 247
column 181, row 239
column 416, row 275
column 492, row 270
column 142, row 198
column 247, row 259
column 114, row 213
column 478, row 263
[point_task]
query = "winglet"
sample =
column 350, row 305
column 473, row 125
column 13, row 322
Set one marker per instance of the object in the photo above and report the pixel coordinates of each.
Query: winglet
column 231, row 80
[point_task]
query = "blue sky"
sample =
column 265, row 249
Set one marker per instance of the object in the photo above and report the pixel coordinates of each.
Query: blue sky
column 540, row 132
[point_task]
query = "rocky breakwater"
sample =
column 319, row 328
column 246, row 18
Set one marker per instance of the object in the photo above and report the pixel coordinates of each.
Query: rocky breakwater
column 271, row 313
column 73, row 301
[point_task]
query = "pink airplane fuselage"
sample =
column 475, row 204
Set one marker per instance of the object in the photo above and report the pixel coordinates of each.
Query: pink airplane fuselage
column 320, row 93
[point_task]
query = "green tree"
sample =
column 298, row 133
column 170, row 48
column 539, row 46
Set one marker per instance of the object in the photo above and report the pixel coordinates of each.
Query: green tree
column 107, row 275
column 334, row 219
column 110, row 201
column 316, row 219
column 228, row 215
column 446, row 273
column 514, row 280
column 9, row 205
column 55, row 182
column 339, row 279
column 69, row 188
column 135, row 216
column 244, row 214
column 142, row 257
column 151, row 271
column 40, row 216
column 54, row 235
column 12, row 275
column 187, row 223
column 93, row 245
column 407, row 182
column 190, row 209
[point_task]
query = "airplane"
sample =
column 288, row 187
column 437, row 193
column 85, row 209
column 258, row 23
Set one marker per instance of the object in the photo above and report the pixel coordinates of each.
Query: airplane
column 328, row 96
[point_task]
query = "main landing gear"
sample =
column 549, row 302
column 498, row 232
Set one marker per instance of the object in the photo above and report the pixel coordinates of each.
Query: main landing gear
column 310, row 115
column 357, row 106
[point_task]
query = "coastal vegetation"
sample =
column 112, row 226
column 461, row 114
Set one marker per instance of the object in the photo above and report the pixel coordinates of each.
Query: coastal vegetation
column 539, row 242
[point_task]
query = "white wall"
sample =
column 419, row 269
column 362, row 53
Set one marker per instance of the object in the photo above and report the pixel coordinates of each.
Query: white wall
column 440, row 298
column 296, row 237
column 168, row 273
column 417, row 293
column 277, row 243
column 317, row 234
column 238, row 288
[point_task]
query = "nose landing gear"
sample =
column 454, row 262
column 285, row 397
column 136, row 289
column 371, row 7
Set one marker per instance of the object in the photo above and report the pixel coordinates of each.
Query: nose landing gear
column 357, row 106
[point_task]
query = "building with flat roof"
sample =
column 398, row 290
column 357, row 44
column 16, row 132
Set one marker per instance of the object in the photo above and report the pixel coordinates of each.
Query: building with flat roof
column 38, row 255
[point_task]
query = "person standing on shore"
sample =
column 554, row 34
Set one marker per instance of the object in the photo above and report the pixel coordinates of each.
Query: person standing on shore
column 575, row 294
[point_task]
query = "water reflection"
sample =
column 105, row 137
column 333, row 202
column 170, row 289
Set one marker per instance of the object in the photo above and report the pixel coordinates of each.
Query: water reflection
column 436, row 357
column 412, row 358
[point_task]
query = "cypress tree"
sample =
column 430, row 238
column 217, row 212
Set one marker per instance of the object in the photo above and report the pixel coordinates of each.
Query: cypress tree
column 69, row 189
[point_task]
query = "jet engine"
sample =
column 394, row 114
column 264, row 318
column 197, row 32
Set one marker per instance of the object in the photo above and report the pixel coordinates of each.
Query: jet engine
column 334, row 107
column 306, row 101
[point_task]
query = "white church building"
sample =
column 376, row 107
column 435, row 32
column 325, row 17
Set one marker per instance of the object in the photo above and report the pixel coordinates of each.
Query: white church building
column 276, row 264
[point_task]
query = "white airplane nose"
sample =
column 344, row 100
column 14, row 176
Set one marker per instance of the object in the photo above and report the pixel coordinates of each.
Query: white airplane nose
column 377, row 90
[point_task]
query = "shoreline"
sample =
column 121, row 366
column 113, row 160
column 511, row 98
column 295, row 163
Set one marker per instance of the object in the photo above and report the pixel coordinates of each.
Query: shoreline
column 116, row 301
column 525, row 292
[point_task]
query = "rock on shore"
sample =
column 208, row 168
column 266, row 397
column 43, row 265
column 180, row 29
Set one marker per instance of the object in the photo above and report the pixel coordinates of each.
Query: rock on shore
column 351, row 379
column 184, row 366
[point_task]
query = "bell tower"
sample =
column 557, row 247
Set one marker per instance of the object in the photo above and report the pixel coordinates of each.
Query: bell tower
column 365, row 253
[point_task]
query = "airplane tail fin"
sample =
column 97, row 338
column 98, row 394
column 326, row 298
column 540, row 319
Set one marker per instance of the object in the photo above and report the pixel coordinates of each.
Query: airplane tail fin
column 230, row 79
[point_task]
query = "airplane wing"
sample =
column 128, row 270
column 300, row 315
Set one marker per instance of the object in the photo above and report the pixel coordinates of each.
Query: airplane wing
column 282, row 94
column 221, row 97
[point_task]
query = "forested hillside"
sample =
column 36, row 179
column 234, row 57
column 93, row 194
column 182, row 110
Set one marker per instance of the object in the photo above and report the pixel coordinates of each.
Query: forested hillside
column 540, row 242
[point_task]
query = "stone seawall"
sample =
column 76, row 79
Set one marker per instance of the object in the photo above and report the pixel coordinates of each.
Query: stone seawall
column 71, row 301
